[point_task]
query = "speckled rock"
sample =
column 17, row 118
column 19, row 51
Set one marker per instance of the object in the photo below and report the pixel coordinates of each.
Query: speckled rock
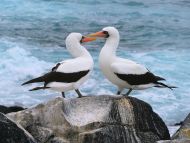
column 41, row 134
column 175, row 141
column 10, row 132
column 57, row 140
column 184, row 130
column 94, row 119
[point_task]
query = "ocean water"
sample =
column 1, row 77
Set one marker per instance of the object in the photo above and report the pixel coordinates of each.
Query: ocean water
column 153, row 33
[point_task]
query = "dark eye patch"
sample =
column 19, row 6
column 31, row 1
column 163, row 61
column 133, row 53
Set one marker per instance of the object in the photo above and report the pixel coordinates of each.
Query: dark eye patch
column 106, row 33
column 82, row 39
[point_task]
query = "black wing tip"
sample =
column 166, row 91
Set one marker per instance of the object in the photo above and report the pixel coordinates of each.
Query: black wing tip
column 38, row 79
column 27, row 82
column 38, row 88
column 160, row 84
column 160, row 78
column 24, row 83
column 173, row 87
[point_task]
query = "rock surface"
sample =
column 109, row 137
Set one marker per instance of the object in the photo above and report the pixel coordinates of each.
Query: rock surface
column 5, row 110
column 184, row 130
column 13, row 133
column 93, row 119
column 183, row 133
column 175, row 141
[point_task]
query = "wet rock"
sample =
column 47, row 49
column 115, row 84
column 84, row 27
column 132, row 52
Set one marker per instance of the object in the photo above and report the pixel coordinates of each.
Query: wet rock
column 183, row 133
column 175, row 141
column 10, row 132
column 57, row 140
column 5, row 110
column 184, row 130
column 41, row 134
column 94, row 119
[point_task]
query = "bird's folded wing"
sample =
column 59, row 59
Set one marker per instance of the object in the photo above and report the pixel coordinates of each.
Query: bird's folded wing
column 128, row 68
column 72, row 66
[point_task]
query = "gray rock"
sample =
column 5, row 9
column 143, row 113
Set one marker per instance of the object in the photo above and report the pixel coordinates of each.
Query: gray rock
column 175, row 141
column 10, row 132
column 183, row 133
column 41, row 134
column 184, row 130
column 57, row 140
column 94, row 119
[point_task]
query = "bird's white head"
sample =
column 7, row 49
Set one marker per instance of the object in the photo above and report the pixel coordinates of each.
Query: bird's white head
column 73, row 37
column 106, row 32
column 112, row 39
column 110, row 31
column 73, row 43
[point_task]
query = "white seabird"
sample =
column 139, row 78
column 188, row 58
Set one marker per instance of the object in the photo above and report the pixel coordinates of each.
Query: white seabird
column 69, row 74
column 121, row 72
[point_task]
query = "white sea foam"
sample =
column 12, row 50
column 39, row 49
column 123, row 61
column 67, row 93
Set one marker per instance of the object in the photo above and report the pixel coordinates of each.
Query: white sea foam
column 16, row 66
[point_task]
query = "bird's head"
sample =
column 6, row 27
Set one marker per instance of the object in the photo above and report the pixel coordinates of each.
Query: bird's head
column 105, row 32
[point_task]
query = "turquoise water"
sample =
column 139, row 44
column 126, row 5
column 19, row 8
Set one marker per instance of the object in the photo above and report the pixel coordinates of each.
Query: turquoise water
column 153, row 33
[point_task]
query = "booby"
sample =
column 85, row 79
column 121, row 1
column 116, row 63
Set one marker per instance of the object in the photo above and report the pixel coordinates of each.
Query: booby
column 69, row 74
column 121, row 72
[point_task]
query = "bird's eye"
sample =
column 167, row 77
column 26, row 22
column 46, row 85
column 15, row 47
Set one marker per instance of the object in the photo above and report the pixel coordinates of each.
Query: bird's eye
column 106, row 33
column 82, row 39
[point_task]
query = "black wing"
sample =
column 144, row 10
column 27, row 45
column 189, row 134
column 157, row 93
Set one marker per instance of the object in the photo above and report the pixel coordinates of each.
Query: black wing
column 59, row 77
column 139, row 79
column 64, row 77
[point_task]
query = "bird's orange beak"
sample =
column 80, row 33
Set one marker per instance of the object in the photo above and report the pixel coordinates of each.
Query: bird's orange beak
column 98, row 34
column 87, row 39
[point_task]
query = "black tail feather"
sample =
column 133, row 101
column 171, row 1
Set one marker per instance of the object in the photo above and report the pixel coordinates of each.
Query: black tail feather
column 38, row 88
column 159, row 78
column 38, row 79
column 161, row 85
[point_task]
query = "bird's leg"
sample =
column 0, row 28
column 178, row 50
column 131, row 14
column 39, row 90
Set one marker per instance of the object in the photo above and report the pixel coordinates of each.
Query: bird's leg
column 128, row 92
column 78, row 92
column 63, row 94
column 118, row 92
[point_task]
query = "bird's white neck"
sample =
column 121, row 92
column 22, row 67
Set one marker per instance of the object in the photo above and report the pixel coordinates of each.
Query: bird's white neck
column 77, row 50
column 110, row 46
